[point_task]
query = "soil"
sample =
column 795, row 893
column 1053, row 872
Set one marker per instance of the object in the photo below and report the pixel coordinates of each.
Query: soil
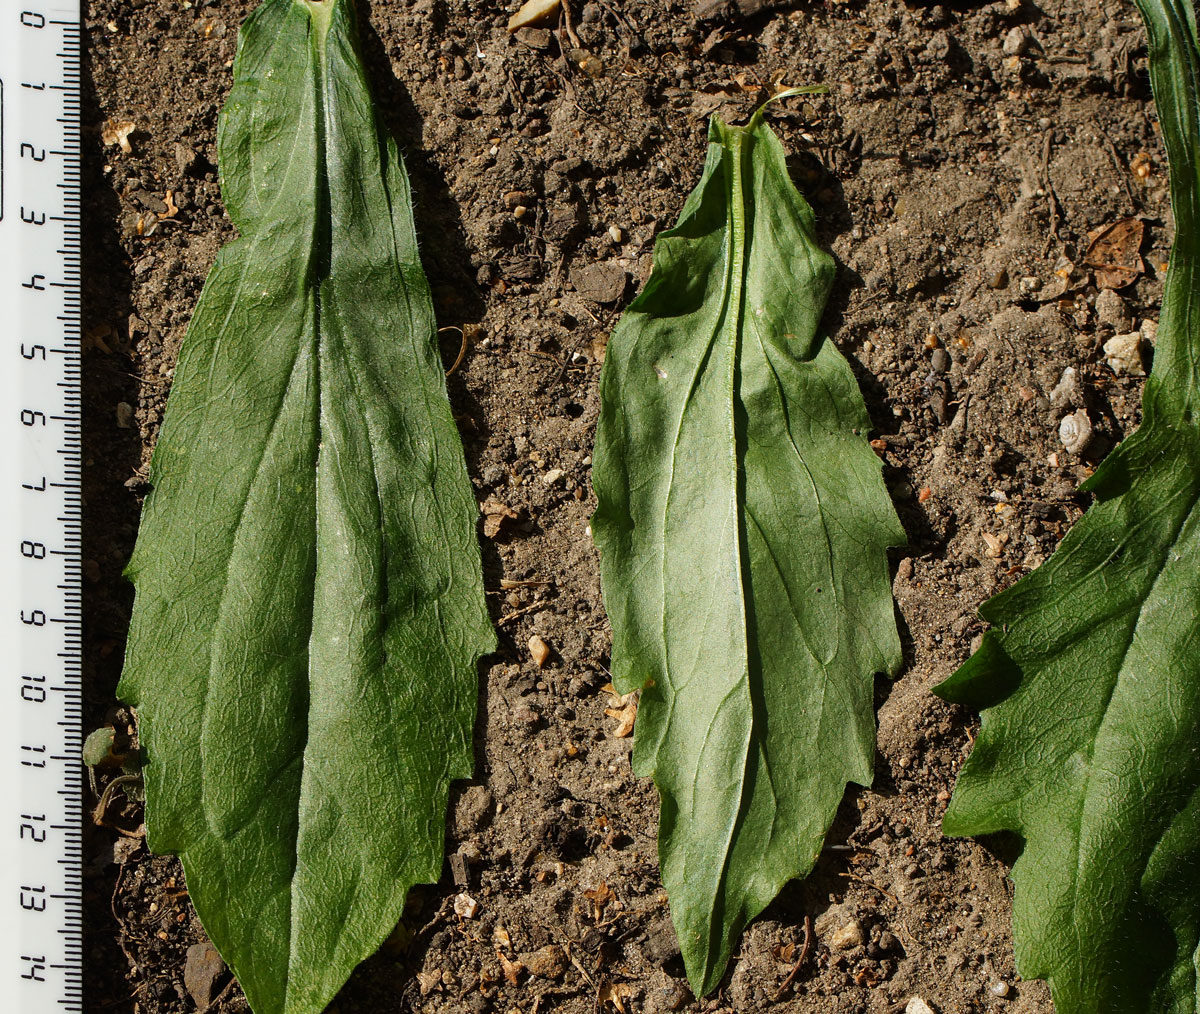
column 957, row 165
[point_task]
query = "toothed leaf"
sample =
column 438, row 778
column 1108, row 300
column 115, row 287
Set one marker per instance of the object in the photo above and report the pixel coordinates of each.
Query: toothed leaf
column 1089, row 679
column 743, row 528
column 309, row 603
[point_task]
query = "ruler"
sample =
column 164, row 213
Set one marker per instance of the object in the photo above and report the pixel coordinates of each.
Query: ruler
column 41, row 799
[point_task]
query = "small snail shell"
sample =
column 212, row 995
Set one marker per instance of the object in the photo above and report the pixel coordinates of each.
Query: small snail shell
column 1075, row 431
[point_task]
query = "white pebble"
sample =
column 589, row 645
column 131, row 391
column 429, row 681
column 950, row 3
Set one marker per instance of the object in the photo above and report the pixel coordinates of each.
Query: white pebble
column 846, row 936
column 1123, row 353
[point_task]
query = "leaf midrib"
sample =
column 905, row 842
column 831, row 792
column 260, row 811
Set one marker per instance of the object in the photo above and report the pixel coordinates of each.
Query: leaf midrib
column 733, row 299
column 316, row 271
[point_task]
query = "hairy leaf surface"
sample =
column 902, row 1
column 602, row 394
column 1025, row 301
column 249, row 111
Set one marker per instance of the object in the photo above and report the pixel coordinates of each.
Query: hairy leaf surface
column 1090, row 676
column 309, row 600
column 743, row 528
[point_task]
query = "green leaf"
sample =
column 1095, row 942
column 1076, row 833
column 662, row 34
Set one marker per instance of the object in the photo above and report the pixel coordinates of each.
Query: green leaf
column 1090, row 677
column 743, row 528
column 309, row 599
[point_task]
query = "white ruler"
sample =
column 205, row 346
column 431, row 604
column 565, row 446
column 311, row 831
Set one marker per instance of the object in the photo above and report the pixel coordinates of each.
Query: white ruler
column 41, row 922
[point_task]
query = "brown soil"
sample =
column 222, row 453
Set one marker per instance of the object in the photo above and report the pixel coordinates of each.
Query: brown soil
column 956, row 166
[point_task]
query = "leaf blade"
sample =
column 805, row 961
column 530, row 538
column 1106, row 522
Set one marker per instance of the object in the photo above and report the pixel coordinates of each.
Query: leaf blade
column 1087, row 679
column 323, row 613
column 726, row 423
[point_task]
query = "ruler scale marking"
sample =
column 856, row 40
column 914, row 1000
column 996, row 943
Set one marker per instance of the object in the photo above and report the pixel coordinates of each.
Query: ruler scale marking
column 41, row 804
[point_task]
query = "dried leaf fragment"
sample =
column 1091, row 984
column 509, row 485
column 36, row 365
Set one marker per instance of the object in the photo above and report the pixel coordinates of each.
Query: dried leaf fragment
column 616, row 993
column 623, row 707
column 995, row 544
column 626, row 715
column 511, row 968
column 599, row 897
column 171, row 208
column 495, row 516
column 784, row 952
column 117, row 132
column 429, row 981
column 1114, row 253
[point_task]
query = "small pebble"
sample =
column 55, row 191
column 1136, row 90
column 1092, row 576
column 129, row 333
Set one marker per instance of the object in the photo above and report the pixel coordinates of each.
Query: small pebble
column 553, row 476
column 999, row 280
column 1066, row 391
column 1016, row 42
column 1123, row 353
column 532, row 12
column 201, row 972
column 539, row 650
column 846, row 936
column 940, row 360
column 124, row 415
column 999, row 989
column 465, row 906
column 615, row 234
column 1111, row 309
column 918, row 1006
